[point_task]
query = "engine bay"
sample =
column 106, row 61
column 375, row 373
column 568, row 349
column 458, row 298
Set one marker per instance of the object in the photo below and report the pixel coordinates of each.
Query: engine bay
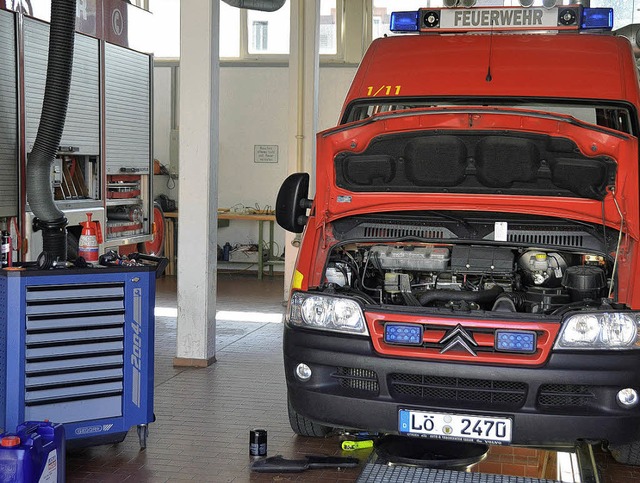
column 463, row 277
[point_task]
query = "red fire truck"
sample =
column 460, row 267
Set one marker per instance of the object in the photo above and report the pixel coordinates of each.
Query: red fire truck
column 468, row 265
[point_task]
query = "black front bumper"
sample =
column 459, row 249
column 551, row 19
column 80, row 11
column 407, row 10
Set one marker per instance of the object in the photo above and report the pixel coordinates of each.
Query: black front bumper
column 572, row 397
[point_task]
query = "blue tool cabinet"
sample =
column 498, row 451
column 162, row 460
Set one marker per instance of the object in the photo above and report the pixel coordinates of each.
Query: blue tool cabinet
column 76, row 347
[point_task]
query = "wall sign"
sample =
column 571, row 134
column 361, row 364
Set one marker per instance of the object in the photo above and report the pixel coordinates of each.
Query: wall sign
column 265, row 153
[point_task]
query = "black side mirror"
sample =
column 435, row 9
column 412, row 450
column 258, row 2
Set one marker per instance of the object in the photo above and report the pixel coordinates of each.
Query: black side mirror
column 292, row 203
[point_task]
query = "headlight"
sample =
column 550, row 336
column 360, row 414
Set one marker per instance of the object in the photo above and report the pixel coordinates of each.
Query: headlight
column 610, row 330
column 327, row 313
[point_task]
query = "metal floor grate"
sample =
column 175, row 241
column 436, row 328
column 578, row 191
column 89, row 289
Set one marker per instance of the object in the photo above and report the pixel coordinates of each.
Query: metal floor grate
column 381, row 473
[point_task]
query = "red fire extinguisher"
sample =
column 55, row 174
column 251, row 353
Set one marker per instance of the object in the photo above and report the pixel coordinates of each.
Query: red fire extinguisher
column 90, row 238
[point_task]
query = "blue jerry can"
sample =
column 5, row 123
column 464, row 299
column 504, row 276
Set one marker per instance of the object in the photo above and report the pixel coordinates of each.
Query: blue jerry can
column 34, row 453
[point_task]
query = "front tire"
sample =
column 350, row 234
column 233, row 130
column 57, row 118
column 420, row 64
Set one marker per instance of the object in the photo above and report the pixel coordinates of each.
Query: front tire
column 306, row 427
column 626, row 454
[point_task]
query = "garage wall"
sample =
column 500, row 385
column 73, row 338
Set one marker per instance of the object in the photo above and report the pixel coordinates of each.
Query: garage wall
column 253, row 110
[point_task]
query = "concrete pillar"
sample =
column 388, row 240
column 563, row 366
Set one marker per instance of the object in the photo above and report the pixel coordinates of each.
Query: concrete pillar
column 304, row 67
column 198, row 198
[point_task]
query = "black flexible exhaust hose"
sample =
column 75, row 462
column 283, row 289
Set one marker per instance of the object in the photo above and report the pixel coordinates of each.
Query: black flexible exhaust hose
column 479, row 296
column 54, row 111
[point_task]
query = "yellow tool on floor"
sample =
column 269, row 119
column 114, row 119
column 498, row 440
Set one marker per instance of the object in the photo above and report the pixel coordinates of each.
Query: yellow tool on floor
column 353, row 445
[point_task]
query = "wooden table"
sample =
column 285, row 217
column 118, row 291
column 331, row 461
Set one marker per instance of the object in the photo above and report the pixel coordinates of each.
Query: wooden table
column 223, row 220
column 260, row 218
column 170, row 238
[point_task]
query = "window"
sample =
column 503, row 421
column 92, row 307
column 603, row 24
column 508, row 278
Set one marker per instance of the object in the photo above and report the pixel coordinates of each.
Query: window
column 328, row 27
column 269, row 31
column 245, row 34
column 164, row 30
column 260, row 36
column 610, row 116
column 144, row 4
column 229, row 31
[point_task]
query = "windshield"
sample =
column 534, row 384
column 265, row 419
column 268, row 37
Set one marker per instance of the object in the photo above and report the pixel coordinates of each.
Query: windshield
column 610, row 116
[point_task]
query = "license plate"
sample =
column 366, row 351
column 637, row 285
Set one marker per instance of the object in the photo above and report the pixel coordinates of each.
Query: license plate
column 462, row 427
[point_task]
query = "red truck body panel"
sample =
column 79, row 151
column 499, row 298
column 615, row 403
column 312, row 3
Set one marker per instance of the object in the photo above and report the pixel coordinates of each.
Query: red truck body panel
column 578, row 66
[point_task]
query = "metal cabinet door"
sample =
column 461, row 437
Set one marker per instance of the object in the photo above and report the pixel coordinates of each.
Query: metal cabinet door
column 8, row 117
column 82, row 125
column 127, row 110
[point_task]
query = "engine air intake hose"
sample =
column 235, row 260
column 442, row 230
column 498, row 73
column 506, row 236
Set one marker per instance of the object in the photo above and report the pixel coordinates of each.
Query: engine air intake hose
column 54, row 111
column 478, row 296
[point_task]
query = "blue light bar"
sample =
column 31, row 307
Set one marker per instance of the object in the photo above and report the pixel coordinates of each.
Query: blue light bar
column 403, row 334
column 515, row 341
column 404, row 22
column 597, row 18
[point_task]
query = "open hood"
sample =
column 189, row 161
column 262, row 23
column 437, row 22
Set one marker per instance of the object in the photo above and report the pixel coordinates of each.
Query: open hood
column 478, row 162
column 489, row 159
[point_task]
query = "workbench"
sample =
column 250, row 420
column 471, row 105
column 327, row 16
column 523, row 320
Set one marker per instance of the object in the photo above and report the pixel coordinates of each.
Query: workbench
column 260, row 219
column 224, row 218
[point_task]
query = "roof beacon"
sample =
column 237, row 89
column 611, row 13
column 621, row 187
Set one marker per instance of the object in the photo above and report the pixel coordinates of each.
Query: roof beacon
column 502, row 18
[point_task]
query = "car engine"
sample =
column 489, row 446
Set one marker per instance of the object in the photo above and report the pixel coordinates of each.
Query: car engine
column 467, row 276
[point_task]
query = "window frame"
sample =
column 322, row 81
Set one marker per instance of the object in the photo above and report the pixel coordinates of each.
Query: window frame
column 244, row 56
column 260, row 32
column 143, row 4
column 255, row 58
column 340, row 36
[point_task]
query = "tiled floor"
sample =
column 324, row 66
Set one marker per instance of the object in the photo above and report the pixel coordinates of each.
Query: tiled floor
column 204, row 415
